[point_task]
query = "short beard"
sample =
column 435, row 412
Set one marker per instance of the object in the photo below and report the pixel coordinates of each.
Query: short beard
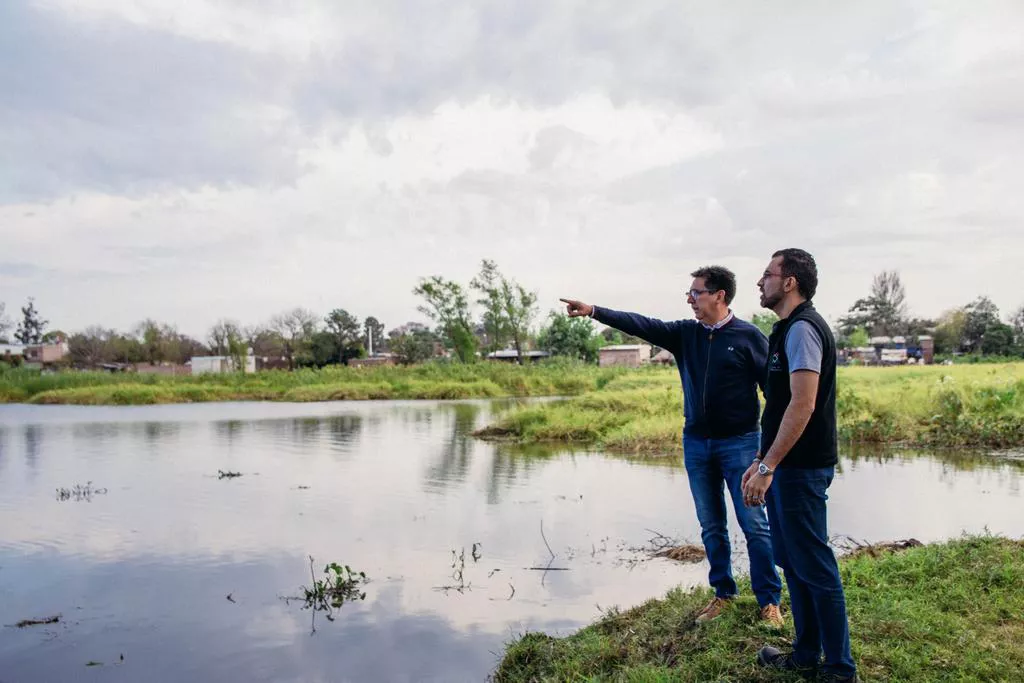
column 770, row 302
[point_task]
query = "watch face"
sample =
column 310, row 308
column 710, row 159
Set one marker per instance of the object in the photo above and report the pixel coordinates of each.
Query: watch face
column 762, row 469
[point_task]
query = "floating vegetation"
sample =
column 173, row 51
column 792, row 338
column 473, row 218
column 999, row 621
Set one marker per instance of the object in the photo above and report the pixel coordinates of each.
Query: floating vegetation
column 341, row 584
column 79, row 492
column 24, row 623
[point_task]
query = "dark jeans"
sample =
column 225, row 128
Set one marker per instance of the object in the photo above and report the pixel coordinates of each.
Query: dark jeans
column 712, row 465
column 796, row 510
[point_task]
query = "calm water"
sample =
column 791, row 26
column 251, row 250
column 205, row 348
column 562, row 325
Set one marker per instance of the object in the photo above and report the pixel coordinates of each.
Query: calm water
column 143, row 569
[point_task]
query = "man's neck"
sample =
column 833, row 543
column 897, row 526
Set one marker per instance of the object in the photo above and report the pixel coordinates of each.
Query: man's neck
column 720, row 315
column 787, row 306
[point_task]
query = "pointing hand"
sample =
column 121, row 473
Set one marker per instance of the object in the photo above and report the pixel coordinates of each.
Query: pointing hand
column 577, row 309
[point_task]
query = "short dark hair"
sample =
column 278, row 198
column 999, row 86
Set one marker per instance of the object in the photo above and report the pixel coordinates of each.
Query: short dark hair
column 718, row 279
column 799, row 264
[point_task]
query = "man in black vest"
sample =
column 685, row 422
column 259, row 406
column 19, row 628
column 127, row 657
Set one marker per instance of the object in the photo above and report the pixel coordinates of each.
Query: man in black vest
column 795, row 466
column 721, row 362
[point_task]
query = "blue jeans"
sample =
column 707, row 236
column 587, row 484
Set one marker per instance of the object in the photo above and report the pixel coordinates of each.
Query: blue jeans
column 712, row 465
column 796, row 508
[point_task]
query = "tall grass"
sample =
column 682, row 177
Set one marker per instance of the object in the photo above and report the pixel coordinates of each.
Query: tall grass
column 979, row 405
column 427, row 381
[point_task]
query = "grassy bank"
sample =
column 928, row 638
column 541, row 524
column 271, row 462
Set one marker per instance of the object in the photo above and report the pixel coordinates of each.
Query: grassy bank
column 429, row 381
column 949, row 612
column 977, row 405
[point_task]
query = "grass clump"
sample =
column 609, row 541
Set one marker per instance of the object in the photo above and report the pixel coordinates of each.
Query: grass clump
column 946, row 612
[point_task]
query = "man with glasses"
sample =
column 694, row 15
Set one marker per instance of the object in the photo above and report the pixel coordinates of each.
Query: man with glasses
column 795, row 467
column 721, row 362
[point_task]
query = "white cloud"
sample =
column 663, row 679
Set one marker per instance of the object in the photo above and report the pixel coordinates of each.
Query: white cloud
column 222, row 158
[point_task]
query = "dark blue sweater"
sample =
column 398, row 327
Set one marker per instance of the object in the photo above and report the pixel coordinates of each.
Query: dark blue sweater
column 721, row 370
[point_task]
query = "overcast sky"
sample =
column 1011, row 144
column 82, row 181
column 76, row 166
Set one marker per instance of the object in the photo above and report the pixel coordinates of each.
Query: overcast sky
column 189, row 161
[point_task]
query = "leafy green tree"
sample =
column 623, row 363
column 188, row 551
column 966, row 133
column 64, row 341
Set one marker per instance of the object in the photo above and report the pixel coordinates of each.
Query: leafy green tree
column 509, row 309
column 997, row 339
column 949, row 331
column 857, row 338
column 981, row 314
column 294, row 330
column 496, row 328
column 520, row 309
column 347, row 333
column 571, row 337
column 445, row 303
column 764, row 321
column 411, row 347
column 32, row 326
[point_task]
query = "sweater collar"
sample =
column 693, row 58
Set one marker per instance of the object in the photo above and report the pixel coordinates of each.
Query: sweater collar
column 720, row 324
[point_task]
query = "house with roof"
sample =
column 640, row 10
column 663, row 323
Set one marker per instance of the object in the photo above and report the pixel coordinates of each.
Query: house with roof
column 628, row 355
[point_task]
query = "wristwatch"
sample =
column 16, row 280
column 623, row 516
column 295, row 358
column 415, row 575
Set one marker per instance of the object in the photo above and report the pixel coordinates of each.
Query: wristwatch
column 764, row 470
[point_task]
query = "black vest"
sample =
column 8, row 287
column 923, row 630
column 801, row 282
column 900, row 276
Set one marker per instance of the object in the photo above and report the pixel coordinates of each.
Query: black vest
column 817, row 446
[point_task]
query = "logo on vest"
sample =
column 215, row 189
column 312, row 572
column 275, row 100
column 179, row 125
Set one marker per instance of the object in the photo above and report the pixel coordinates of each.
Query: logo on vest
column 774, row 363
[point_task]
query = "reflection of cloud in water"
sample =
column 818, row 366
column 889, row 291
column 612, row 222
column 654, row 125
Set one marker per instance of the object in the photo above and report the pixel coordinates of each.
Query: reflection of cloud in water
column 199, row 634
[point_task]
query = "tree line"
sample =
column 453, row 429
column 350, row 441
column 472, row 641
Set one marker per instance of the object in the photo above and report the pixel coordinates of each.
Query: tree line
column 491, row 313
column 973, row 328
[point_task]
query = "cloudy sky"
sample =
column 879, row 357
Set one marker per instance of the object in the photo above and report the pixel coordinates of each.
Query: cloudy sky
column 189, row 161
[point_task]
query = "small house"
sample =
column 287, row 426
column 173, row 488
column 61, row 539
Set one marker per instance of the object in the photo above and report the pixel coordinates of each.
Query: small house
column 202, row 365
column 629, row 355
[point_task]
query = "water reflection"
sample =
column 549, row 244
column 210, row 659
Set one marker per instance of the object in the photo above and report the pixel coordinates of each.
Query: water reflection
column 960, row 459
column 453, row 461
column 33, row 442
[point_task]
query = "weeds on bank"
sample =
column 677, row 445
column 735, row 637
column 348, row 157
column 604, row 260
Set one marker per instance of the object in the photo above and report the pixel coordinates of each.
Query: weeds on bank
column 944, row 612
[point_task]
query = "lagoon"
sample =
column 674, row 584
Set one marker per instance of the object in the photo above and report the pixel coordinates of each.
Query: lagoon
column 143, row 566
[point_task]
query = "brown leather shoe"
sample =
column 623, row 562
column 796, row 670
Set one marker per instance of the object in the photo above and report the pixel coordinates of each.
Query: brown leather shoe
column 771, row 616
column 713, row 610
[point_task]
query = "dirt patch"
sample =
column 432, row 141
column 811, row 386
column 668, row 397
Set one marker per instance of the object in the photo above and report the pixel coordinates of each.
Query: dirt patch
column 682, row 553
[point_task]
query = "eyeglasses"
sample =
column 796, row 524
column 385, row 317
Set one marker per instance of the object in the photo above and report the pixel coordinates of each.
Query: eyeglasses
column 694, row 293
column 765, row 275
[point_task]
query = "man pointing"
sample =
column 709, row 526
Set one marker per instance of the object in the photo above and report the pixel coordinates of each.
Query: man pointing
column 721, row 361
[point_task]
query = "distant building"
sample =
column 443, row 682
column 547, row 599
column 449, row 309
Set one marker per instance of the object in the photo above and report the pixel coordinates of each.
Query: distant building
column 664, row 357
column 511, row 355
column 629, row 355
column 202, row 365
column 45, row 355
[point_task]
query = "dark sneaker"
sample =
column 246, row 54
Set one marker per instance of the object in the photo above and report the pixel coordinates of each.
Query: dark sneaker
column 824, row 677
column 773, row 658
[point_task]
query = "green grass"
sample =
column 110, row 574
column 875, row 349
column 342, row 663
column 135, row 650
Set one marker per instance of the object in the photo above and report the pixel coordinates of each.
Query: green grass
column 635, row 411
column 641, row 411
column 947, row 612
column 427, row 381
